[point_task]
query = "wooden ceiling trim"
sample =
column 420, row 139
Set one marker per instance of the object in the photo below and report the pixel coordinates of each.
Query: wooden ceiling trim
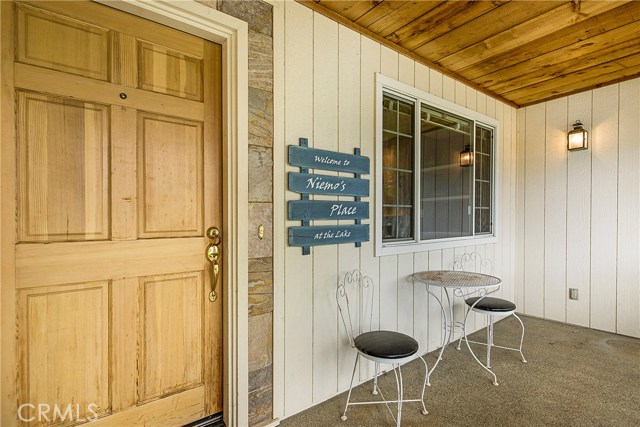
column 630, row 60
column 352, row 10
column 402, row 16
column 525, row 32
column 518, row 77
column 591, row 79
column 542, row 67
column 564, row 92
column 489, row 24
column 379, row 11
column 385, row 42
column 439, row 21
column 618, row 17
column 519, row 52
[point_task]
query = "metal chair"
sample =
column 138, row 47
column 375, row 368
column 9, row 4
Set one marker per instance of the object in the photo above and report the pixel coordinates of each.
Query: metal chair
column 386, row 347
column 481, row 302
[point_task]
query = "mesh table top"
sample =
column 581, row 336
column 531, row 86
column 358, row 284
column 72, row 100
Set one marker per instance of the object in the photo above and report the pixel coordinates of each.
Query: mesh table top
column 455, row 279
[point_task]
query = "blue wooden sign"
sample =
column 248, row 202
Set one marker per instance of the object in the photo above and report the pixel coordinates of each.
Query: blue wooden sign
column 306, row 210
column 327, row 160
column 328, row 234
column 325, row 184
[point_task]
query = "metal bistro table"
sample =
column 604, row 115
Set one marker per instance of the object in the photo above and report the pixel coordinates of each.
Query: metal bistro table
column 461, row 284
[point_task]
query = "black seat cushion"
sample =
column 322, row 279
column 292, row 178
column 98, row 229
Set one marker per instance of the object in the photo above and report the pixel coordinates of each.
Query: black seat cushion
column 494, row 305
column 386, row 344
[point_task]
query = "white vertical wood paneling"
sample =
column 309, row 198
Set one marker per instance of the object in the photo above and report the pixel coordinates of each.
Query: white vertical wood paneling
column 493, row 251
column 491, row 106
column 436, row 317
column 405, row 293
column 448, row 89
column 481, row 103
column 369, row 65
column 591, row 202
column 389, row 265
column 604, row 200
column 502, row 198
column 298, row 293
column 421, row 304
column 628, row 290
column 534, row 211
column 520, row 206
column 328, row 80
column 511, row 137
column 406, row 70
column 406, row 74
column 459, row 307
column 349, row 139
column 279, row 205
column 435, row 83
column 470, row 101
column 389, row 62
column 579, row 215
column 555, row 216
column 389, row 293
column 472, row 98
column 422, row 77
column 325, row 258
column 461, row 93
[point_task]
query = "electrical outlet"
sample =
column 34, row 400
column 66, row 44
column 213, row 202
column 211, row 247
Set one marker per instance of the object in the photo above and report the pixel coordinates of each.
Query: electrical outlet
column 573, row 293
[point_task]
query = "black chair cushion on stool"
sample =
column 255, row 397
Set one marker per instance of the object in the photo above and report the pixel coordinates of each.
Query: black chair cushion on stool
column 496, row 305
column 386, row 344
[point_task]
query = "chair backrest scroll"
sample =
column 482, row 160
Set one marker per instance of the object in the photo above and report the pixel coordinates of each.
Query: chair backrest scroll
column 354, row 296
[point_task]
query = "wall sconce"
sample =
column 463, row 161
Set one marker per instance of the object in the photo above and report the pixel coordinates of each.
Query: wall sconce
column 466, row 156
column 577, row 138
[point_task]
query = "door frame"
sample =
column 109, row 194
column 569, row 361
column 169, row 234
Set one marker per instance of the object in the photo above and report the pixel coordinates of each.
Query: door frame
column 232, row 34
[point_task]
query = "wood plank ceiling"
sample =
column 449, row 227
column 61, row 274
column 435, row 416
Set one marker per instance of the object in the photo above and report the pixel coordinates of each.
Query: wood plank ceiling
column 521, row 52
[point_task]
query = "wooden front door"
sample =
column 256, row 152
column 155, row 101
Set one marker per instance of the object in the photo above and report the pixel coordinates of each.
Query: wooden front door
column 118, row 178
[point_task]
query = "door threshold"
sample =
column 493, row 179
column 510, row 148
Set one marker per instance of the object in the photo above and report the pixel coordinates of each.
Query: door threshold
column 214, row 420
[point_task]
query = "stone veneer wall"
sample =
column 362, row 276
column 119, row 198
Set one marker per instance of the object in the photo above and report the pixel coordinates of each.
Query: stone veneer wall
column 259, row 16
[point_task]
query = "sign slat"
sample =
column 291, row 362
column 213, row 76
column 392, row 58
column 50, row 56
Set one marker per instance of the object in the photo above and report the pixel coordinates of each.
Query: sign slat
column 304, row 210
column 327, row 160
column 325, row 184
column 328, row 234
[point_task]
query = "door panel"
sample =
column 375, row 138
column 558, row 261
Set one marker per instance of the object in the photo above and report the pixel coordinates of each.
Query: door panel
column 63, row 151
column 169, row 71
column 118, row 159
column 65, row 351
column 170, row 172
column 171, row 331
column 40, row 34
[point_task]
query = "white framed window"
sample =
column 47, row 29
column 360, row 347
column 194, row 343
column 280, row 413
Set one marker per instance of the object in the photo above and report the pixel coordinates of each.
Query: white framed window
column 435, row 172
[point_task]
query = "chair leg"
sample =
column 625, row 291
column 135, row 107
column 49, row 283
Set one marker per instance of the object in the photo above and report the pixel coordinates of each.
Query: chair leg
column 355, row 365
column 463, row 336
column 375, row 378
column 424, row 385
column 464, row 332
column 489, row 340
column 521, row 338
column 398, row 374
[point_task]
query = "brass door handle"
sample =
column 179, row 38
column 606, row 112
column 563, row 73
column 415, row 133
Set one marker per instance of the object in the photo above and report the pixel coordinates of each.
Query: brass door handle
column 213, row 255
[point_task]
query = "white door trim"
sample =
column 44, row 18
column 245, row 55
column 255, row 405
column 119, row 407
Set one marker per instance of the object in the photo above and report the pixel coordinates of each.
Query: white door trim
column 232, row 34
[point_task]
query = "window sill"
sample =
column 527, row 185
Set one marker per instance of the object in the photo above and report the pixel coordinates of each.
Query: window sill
column 414, row 247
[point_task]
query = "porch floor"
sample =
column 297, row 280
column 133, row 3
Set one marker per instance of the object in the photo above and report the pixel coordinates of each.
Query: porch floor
column 574, row 377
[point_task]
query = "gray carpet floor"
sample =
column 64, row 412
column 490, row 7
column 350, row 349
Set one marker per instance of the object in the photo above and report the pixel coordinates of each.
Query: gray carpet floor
column 574, row 377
